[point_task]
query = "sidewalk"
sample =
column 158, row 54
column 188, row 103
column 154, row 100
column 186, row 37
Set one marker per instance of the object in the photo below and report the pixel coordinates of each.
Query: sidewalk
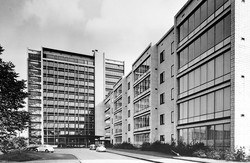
column 161, row 157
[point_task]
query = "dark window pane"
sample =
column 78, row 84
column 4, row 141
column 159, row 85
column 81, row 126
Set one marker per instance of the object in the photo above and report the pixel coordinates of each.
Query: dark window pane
column 219, row 32
column 197, row 47
column 210, row 7
column 191, row 52
column 210, row 136
column 191, row 23
column 185, row 29
column 197, row 17
column 210, row 38
column 218, row 135
column 181, row 32
column 204, row 11
column 218, row 4
column 226, row 135
column 185, row 55
column 204, row 43
column 227, row 26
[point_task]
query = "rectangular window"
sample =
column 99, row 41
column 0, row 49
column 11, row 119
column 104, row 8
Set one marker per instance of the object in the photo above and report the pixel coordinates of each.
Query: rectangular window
column 183, row 57
column 227, row 62
column 128, row 99
column 210, row 37
column 219, row 32
column 210, row 103
column 162, row 98
column 172, row 94
column 210, row 67
column 226, row 95
column 128, row 85
column 204, row 11
column 203, row 105
column 162, row 77
column 197, row 47
column 210, row 7
column 162, row 119
column 219, row 66
column 197, row 106
column 172, row 71
column 197, row 77
column 219, row 100
column 227, row 26
column 172, row 116
column 128, row 127
column 197, row 17
column 191, row 80
column 204, row 43
column 162, row 138
column 191, row 108
column 191, row 52
column 162, row 56
column 203, row 74
column 191, row 23
column 172, row 47
column 128, row 113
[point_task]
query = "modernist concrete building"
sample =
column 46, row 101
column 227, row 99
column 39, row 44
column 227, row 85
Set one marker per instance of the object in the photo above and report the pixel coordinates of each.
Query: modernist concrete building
column 65, row 89
column 193, row 85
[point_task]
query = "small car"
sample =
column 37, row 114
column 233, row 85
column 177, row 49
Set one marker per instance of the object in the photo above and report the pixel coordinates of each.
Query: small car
column 45, row 148
column 101, row 148
column 92, row 147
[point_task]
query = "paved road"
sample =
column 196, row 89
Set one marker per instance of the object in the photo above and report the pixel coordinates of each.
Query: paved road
column 91, row 156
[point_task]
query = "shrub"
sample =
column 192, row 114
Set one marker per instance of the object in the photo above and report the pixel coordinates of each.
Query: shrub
column 237, row 155
column 124, row 145
column 145, row 146
column 13, row 144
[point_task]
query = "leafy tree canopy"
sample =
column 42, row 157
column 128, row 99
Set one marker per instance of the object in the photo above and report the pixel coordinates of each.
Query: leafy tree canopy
column 12, row 95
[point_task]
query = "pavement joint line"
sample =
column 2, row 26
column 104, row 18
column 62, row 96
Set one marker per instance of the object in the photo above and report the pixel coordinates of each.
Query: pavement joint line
column 157, row 156
column 135, row 157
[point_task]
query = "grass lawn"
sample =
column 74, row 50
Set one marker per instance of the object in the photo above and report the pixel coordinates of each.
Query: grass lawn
column 31, row 155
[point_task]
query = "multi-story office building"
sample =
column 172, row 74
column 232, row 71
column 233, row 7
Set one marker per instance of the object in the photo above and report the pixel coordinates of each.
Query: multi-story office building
column 114, row 70
column 193, row 85
column 212, row 72
column 63, row 96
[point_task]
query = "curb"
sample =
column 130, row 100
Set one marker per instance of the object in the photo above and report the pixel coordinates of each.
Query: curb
column 156, row 156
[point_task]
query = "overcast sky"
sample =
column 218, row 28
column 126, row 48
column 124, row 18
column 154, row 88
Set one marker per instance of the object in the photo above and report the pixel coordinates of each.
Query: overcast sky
column 120, row 28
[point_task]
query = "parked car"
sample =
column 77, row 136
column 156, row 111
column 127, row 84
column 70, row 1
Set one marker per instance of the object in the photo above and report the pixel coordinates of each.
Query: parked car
column 92, row 147
column 45, row 148
column 31, row 148
column 101, row 148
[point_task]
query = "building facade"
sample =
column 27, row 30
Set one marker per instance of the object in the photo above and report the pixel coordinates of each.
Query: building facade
column 193, row 85
column 63, row 96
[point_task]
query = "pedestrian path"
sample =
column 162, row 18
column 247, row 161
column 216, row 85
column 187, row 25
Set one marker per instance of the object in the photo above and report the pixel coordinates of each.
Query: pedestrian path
column 157, row 157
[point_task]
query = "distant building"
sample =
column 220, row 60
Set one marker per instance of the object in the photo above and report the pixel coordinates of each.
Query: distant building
column 64, row 89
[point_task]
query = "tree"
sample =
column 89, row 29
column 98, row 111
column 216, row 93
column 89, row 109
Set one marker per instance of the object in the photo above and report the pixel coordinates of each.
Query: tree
column 12, row 95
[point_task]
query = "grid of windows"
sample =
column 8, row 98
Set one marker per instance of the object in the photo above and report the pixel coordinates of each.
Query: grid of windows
column 220, row 31
column 199, row 15
column 217, row 136
column 118, row 116
column 118, row 104
column 142, row 104
column 142, row 121
column 142, row 69
column 141, row 138
column 118, row 128
column 214, row 69
column 142, row 86
column 210, row 106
